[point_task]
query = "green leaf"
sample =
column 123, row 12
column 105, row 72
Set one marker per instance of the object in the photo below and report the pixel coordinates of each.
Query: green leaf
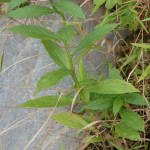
column 47, row 101
column 115, row 145
column 145, row 73
column 30, row 11
column 81, row 72
column 95, row 96
column 117, row 104
column 70, row 8
column 1, row 62
column 100, row 104
column 132, row 119
column 124, row 131
column 141, row 23
column 57, row 54
column 126, row 19
column 95, row 36
column 134, row 98
column 110, row 4
column 129, row 59
column 70, row 120
column 119, row 2
column 144, row 45
column 15, row 3
column 34, row 32
column 110, row 17
column 114, row 74
column 98, row 4
column 4, row 1
column 136, row 147
column 51, row 78
column 112, row 86
column 66, row 33
column 147, row 19
column 91, row 139
column 129, row 19
column 81, row 55
column 84, row 52
column 95, row 1
column 87, row 82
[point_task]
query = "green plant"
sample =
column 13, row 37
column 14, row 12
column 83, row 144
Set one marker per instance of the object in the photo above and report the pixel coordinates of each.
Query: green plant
column 112, row 97
column 127, row 12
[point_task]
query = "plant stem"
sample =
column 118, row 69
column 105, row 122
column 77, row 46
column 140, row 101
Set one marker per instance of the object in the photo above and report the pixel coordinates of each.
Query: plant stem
column 71, row 64
column 70, row 56
column 73, row 72
column 103, row 142
column 68, row 53
column 77, row 85
column 57, row 11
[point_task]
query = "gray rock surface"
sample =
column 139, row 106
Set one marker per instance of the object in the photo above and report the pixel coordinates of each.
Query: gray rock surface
column 25, row 61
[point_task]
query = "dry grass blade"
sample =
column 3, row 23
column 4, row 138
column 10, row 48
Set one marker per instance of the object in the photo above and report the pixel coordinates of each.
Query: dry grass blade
column 13, row 126
column 83, row 146
column 21, row 61
column 37, row 70
column 73, row 101
column 109, row 46
column 90, row 125
column 147, row 102
column 132, row 71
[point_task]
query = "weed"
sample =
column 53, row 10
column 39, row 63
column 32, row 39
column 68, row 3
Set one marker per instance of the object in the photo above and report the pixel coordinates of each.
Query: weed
column 113, row 111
